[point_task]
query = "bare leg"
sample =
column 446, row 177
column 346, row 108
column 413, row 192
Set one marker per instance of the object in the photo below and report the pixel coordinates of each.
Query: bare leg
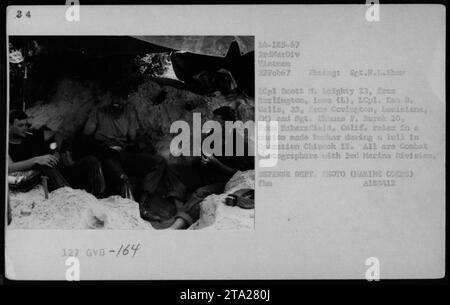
column 179, row 224
column 190, row 211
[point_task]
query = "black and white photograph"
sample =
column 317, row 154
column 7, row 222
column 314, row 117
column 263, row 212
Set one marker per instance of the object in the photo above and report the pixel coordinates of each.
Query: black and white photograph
column 190, row 142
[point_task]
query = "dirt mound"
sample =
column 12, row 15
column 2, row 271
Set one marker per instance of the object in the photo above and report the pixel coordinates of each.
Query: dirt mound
column 68, row 209
column 216, row 215
column 157, row 107
column 68, row 108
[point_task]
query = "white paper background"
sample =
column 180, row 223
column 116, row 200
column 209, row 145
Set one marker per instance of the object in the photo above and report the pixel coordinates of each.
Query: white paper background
column 305, row 229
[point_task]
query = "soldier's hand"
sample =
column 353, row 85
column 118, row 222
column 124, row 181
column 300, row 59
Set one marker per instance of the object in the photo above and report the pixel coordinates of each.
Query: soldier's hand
column 46, row 160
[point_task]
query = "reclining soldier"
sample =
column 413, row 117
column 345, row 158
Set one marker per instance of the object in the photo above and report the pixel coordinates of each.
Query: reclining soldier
column 210, row 173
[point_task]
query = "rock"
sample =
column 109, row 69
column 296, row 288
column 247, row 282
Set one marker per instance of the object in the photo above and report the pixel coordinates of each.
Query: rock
column 216, row 215
column 208, row 45
column 240, row 180
column 67, row 110
column 72, row 101
column 68, row 209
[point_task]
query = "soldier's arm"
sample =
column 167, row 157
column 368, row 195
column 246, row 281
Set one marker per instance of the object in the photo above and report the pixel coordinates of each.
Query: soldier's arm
column 91, row 124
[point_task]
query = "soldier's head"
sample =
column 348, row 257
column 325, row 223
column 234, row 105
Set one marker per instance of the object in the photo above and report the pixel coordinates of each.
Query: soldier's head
column 18, row 123
column 223, row 81
column 118, row 104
